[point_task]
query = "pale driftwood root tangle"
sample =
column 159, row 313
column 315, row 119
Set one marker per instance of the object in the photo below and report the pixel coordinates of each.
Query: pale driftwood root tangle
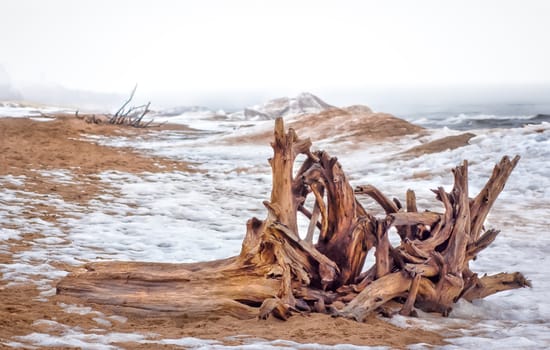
column 279, row 273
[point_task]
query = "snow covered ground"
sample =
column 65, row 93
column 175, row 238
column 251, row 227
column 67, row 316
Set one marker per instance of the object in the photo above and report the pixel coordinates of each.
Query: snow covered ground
column 183, row 217
column 17, row 110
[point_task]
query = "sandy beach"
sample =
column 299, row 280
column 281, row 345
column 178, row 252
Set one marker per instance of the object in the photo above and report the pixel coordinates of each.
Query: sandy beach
column 30, row 149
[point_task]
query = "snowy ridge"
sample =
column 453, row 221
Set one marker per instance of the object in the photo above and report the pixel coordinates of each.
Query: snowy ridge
column 304, row 103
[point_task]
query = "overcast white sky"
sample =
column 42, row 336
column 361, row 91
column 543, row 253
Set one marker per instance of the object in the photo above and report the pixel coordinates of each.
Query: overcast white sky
column 268, row 48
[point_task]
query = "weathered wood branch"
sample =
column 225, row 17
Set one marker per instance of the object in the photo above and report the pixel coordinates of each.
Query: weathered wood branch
column 488, row 285
column 371, row 191
column 376, row 294
column 483, row 202
column 414, row 218
column 130, row 98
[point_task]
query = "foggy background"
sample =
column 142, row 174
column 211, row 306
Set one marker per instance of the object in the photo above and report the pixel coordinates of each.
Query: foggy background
column 391, row 55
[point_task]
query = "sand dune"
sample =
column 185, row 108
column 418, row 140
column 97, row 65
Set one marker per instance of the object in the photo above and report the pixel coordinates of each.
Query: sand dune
column 355, row 124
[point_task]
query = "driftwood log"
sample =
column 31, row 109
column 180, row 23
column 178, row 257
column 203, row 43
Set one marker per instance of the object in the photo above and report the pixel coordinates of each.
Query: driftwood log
column 279, row 272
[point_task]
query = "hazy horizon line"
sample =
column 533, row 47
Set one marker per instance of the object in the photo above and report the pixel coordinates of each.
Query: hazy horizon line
column 372, row 96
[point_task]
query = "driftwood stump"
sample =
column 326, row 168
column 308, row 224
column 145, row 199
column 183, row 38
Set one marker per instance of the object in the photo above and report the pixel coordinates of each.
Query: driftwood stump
column 279, row 272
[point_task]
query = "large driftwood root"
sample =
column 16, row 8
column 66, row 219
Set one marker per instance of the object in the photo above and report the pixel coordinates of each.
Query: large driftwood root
column 279, row 272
